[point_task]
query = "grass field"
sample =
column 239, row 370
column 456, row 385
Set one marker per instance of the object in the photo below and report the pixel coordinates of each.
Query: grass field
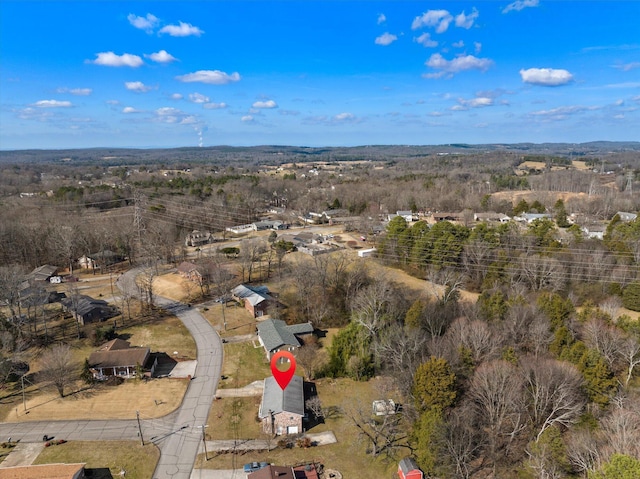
column 243, row 364
column 137, row 461
column 98, row 402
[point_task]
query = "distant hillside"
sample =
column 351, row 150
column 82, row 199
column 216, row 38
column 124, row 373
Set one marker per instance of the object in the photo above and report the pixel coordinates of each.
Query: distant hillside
column 275, row 154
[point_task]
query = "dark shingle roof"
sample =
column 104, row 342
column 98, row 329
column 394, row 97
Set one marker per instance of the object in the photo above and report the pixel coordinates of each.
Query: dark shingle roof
column 275, row 333
column 276, row 400
column 119, row 357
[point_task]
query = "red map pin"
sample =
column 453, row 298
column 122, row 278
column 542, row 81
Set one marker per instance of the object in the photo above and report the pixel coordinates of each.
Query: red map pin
column 283, row 377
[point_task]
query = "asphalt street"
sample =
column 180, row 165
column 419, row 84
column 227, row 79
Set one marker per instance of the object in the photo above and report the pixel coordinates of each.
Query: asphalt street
column 179, row 434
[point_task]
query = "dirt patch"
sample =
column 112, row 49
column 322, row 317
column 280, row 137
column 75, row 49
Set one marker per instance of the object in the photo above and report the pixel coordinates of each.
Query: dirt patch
column 174, row 286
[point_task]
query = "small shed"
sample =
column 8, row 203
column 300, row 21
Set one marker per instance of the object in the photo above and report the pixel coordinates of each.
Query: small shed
column 408, row 469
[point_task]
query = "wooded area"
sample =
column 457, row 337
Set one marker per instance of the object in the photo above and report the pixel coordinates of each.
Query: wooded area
column 536, row 379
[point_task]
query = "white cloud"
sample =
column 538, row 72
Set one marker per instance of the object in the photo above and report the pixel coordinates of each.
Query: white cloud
column 345, row 116
column 137, row 86
column 211, row 77
column 265, row 104
column 75, row 91
column 520, row 5
column 546, row 76
column 176, row 96
column 458, row 64
column 440, row 19
column 247, row 119
column 52, row 104
column 628, row 66
column 215, row 106
column 381, row 18
column 198, row 98
column 459, row 44
column 386, row 39
column 147, row 23
column 110, row 59
column 161, row 57
column 130, row 109
column 181, row 30
column 478, row 102
column 172, row 115
column 477, row 46
column 466, row 21
column 562, row 112
column 426, row 41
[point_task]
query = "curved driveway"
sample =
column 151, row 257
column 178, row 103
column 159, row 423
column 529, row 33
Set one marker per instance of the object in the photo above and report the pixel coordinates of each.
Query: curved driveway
column 179, row 434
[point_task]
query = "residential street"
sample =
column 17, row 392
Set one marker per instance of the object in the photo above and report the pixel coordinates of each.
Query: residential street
column 179, row 434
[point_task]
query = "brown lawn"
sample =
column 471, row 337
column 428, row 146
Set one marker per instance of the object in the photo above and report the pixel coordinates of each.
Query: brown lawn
column 136, row 460
column 239, row 320
column 243, row 364
column 98, row 402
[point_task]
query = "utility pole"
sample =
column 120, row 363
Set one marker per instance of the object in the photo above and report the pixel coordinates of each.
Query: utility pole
column 204, row 441
column 139, row 427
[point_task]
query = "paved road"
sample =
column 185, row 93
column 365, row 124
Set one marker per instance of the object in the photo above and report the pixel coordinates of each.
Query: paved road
column 178, row 435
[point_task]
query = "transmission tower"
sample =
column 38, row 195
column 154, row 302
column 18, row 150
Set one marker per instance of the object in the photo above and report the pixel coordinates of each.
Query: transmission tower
column 140, row 203
column 629, row 188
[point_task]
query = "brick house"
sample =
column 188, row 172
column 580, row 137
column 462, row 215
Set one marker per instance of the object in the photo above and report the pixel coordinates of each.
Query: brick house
column 281, row 412
column 256, row 299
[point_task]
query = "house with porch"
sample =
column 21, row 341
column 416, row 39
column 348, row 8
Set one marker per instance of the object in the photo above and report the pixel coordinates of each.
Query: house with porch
column 118, row 358
column 281, row 411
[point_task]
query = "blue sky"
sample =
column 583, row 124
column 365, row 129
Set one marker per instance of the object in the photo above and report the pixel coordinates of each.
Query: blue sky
column 164, row 74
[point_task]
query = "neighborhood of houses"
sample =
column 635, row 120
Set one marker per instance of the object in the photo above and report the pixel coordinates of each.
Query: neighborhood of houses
column 281, row 412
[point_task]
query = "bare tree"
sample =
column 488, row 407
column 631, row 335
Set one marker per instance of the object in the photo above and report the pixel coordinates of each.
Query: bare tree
column 621, row 429
column 476, row 336
column 308, row 358
column 629, row 354
column 461, row 440
column 605, row 338
column 314, row 405
column 554, row 392
column 372, row 307
column 58, row 367
column 497, row 392
column 583, row 450
column 611, row 306
column 12, row 279
column 250, row 251
column 539, row 272
column 384, row 434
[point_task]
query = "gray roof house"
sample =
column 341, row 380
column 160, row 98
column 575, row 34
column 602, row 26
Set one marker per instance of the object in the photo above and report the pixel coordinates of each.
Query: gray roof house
column 87, row 309
column 276, row 335
column 256, row 299
column 281, row 411
column 43, row 273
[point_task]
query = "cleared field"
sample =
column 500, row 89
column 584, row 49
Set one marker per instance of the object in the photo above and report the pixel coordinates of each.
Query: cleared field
column 153, row 398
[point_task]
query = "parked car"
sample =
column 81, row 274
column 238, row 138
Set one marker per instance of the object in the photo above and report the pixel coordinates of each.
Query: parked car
column 254, row 466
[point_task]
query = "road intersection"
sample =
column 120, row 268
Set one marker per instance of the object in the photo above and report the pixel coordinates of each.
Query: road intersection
column 178, row 435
